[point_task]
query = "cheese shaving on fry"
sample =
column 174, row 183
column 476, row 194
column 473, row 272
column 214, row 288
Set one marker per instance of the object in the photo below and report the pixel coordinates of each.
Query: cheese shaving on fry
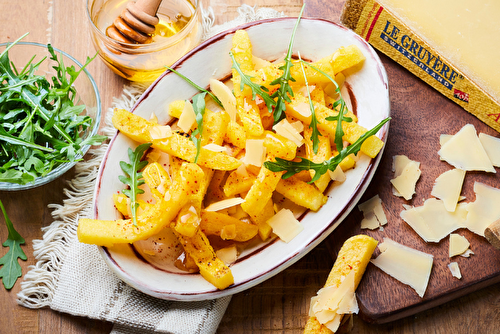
column 224, row 204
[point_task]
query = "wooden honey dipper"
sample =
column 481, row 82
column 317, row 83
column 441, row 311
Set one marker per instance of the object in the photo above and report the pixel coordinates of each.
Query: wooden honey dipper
column 136, row 23
column 492, row 233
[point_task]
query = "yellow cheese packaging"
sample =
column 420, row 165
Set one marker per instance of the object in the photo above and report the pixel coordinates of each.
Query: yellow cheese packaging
column 385, row 30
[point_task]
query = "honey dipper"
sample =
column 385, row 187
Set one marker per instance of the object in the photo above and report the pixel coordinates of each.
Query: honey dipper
column 136, row 23
column 492, row 233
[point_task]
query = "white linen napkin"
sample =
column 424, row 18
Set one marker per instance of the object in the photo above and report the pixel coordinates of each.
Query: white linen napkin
column 72, row 277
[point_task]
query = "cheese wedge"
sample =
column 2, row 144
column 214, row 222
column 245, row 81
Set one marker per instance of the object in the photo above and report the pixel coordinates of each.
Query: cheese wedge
column 458, row 244
column 492, row 147
column 458, row 29
column 465, row 151
column 405, row 264
column 448, row 187
column 484, row 210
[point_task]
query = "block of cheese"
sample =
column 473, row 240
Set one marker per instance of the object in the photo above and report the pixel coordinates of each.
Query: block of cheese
column 450, row 44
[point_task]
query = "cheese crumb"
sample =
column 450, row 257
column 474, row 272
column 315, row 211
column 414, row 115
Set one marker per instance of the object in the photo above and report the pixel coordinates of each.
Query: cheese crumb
column 455, row 270
column 458, row 244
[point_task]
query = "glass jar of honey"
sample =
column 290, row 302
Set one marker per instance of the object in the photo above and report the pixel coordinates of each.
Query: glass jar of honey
column 178, row 31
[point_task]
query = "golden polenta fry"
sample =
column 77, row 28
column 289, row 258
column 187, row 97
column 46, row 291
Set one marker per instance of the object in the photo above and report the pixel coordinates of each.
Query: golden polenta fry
column 151, row 221
column 301, row 193
column 138, row 129
column 211, row 267
column 214, row 223
column 354, row 255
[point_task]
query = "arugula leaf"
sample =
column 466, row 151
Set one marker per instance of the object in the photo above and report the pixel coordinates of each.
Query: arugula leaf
column 339, row 133
column 256, row 89
column 293, row 167
column 199, row 110
column 11, row 269
column 285, row 91
column 133, row 178
column 41, row 121
column 215, row 98
column 314, row 121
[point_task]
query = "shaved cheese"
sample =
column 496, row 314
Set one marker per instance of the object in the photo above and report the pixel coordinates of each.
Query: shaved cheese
column 160, row 132
column 303, row 90
column 484, row 210
column 153, row 118
column 187, row 117
column 225, row 96
column 255, row 152
column 406, row 177
column 224, row 204
column 284, row 225
column 492, row 147
column 337, row 175
column 214, row 148
column 432, row 221
column 299, row 126
column 285, row 129
column 228, row 232
column 373, row 213
column 444, row 138
column 304, row 109
column 405, row 264
column 467, row 253
column 242, row 170
column 369, row 221
column 259, row 63
column 228, row 255
column 332, row 302
column 448, row 187
column 399, row 163
column 465, row 151
column 458, row 244
column 346, row 97
column 455, row 270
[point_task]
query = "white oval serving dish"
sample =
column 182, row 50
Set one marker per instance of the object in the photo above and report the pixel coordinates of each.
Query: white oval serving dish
column 315, row 38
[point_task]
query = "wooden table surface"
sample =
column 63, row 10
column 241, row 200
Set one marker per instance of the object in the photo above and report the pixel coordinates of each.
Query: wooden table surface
column 278, row 305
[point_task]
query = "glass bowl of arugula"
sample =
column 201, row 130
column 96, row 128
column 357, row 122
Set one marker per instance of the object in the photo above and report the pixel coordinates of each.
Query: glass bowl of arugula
column 50, row 110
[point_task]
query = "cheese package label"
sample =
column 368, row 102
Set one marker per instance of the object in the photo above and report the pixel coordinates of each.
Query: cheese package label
column 386, row 31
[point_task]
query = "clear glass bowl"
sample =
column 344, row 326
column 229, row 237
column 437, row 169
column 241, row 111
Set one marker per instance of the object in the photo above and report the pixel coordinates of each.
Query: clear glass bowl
column 143, row 62
column 86, row 90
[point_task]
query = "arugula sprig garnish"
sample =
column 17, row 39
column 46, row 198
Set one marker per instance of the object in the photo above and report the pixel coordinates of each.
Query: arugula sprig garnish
column 40, row 119
column 340, row 117
column 257, row 89
column 285, row 91
column 11, row 270
column 199, row 110
column 293, row 167
column 133, row 177
column 201, row 89
column 314, row 121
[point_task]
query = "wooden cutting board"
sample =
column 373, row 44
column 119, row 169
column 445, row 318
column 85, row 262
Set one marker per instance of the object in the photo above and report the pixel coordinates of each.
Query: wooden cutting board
column 419, row 116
